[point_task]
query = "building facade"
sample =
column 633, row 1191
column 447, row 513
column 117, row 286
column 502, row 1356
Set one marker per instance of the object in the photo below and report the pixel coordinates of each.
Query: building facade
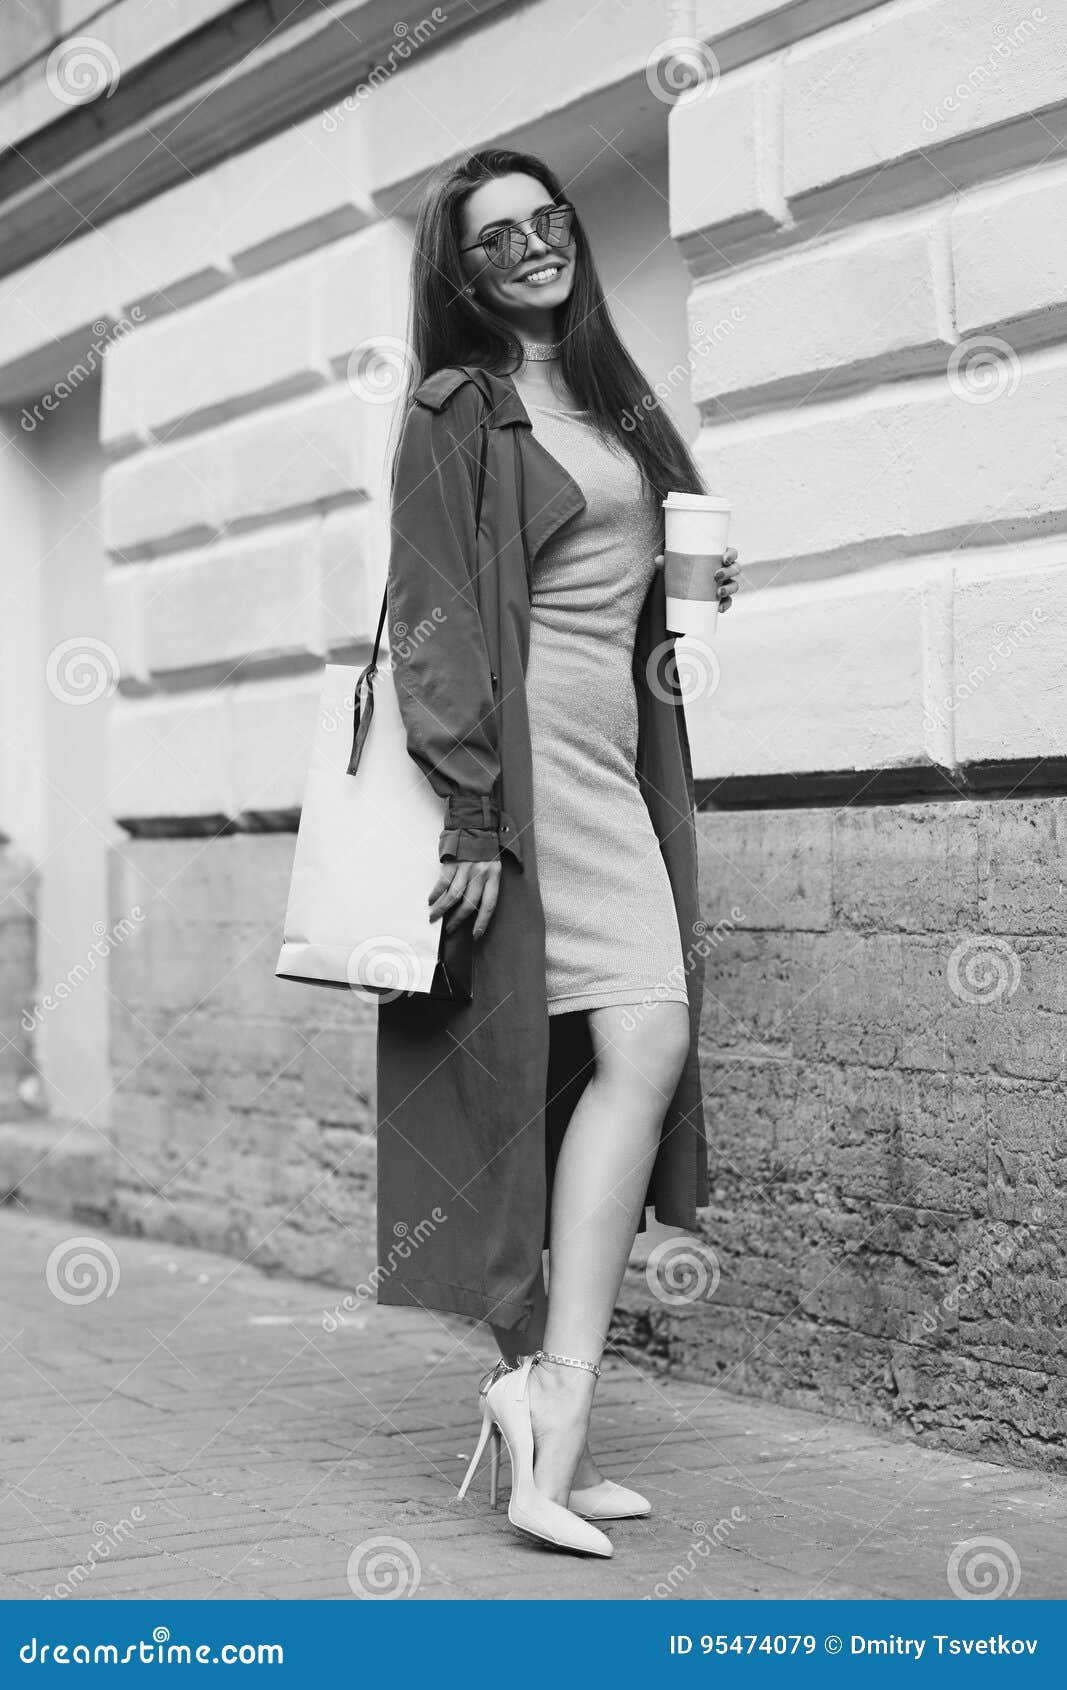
column 831, row 235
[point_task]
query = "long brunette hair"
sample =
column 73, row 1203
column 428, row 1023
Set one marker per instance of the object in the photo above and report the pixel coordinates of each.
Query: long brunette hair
column 448, row 327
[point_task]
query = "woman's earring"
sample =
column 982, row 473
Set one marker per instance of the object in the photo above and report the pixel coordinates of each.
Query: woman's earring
column 469, row 291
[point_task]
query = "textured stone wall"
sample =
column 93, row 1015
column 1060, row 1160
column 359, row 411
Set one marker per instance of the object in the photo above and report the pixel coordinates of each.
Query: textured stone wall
column 243, row 1112
column 884, row 1055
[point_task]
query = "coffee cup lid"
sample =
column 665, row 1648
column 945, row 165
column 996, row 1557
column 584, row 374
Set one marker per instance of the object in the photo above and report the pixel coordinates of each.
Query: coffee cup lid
column 696, row 502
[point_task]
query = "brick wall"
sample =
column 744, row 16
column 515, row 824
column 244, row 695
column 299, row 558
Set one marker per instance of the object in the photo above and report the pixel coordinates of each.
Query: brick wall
column 885, row 1050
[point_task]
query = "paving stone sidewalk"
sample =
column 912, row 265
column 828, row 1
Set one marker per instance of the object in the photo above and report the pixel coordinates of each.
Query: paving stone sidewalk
column 176, row 1424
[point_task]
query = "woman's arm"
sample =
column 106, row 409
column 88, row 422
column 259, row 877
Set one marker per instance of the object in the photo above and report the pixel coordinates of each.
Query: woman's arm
column 440, row 660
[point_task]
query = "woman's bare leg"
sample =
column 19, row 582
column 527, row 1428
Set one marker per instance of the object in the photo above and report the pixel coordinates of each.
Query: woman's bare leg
column 601, row 1179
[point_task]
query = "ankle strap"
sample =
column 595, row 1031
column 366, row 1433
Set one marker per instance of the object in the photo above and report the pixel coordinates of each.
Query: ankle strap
column 566, row 1361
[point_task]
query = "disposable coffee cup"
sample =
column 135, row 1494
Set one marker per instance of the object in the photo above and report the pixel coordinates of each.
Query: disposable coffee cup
column 697, row 530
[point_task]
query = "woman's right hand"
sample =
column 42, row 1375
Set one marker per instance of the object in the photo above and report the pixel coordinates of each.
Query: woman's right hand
column 463, row 890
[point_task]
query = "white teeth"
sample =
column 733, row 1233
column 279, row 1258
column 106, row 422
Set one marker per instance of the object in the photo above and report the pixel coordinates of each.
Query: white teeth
column 542, row 275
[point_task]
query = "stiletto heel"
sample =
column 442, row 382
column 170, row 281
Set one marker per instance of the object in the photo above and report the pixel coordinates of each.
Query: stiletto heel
column 506, row 1414
column 494, row 1465
column 487, row 1434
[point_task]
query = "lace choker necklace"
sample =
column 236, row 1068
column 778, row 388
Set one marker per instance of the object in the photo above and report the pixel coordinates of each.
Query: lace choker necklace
column 540, row 351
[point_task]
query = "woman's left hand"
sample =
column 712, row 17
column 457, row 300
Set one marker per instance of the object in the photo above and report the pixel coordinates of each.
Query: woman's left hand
column 726, row 577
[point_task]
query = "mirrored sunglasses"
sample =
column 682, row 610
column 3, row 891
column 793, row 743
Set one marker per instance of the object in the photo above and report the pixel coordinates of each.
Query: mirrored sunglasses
column 505, row 247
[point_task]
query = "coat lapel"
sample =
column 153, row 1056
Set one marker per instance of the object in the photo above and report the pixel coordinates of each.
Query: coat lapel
column 548, row 496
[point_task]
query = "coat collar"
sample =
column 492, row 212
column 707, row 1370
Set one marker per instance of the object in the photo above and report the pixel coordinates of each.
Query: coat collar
column 500, row 393
column 549, row 496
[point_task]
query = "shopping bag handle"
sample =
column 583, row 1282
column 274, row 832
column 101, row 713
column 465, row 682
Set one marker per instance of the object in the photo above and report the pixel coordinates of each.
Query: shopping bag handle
column 363, row 704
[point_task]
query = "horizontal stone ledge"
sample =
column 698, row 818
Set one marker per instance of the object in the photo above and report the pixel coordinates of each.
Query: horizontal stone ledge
column 914, row 182
column 995, row 779
column 193, row 678
column 918, row 178
column 954, row 97
column 207, row 827
column 234, row 82
column 832, row 789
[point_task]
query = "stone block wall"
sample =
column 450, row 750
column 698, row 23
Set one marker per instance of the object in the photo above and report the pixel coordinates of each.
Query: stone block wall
column 243, row 1117
column 885, row 1055
column 869, row 199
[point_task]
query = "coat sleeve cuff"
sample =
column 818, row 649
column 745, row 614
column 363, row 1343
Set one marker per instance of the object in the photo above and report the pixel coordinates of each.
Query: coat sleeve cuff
column 465, row 811
column 471, row 830
column 468, row 845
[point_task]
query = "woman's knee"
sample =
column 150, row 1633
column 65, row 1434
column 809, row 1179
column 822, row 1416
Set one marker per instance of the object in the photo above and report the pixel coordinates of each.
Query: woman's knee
column 638, row 1042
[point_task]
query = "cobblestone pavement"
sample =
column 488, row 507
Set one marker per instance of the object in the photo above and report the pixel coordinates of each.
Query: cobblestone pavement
column 179, row 1425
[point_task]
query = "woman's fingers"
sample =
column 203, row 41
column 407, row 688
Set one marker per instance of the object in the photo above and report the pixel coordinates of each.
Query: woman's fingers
column 490, row 893
column 726, row 577
column 441, row 895
column 471, row 890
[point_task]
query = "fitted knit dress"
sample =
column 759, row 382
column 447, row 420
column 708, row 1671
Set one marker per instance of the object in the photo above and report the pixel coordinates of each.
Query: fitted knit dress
column 611, row 928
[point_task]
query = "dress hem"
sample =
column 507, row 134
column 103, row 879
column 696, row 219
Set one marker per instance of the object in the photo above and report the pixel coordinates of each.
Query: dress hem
column 612, row 1000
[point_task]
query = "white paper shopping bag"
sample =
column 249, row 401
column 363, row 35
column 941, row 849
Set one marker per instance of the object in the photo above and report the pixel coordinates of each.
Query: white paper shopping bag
column 366, row 858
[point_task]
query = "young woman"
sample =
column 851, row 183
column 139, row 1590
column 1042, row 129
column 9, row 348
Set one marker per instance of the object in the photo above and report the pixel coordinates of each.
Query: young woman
column 534, row 672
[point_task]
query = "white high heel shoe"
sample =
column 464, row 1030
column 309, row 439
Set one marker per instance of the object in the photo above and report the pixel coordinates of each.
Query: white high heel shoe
column 609, row 1501
column 506, row 1413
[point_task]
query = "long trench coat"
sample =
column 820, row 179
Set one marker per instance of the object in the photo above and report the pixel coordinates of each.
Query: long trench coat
column 474, row 1097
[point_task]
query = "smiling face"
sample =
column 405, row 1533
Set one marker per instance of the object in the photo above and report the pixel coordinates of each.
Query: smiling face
column 531, row 289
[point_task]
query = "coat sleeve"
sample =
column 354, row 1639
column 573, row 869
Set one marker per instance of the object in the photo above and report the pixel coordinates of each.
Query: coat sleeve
column 437, row 645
